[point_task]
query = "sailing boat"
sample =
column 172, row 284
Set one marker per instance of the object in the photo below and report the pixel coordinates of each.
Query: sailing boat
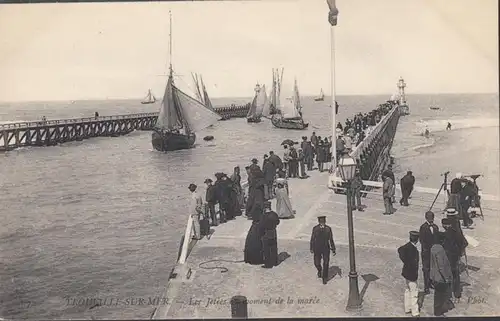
column 291, row 113
column 150, row 98
column 321, row 96
column 275, row 92
column 180, row 116
column 258, row 105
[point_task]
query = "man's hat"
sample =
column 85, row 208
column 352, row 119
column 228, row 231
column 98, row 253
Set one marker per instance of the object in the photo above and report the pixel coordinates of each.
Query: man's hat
column 458, row 175
column 445, row 221
column 208, row 180
column 321, row 218
column 247, row 167
column 451, row 212
column 429, row 213
column 254, row 160
column 265, row 156
column 192, row 186
column 414, row 234
column 218, row 175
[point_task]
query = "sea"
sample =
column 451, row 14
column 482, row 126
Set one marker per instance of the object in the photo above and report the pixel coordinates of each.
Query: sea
column 102, row 218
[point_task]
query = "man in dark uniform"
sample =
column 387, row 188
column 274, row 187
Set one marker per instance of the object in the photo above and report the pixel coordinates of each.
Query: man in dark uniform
column 269, row 222
column 321, row 244
column 408, row 254
column 454, row 245
column 211, row 199
column 428, row 235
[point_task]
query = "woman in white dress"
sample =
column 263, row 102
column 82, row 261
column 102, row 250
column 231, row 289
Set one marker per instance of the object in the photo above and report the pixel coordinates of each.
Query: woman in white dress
column 283, row 205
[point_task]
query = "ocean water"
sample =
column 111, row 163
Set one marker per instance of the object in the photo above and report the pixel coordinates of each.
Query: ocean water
column 103, row 218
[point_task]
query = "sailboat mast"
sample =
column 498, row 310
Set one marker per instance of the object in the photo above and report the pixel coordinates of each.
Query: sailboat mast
column 170, row 45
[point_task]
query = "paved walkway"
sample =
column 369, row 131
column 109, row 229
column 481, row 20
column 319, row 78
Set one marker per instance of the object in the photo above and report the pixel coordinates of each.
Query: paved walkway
column 208, row 291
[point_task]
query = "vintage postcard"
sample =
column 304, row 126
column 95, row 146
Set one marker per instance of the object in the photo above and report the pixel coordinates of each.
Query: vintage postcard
column 249, row 159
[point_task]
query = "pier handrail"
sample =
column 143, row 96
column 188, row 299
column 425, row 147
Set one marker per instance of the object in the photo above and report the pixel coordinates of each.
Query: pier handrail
column 37, row 123
column 186, row 241
column 358, row 149
column 421, row 189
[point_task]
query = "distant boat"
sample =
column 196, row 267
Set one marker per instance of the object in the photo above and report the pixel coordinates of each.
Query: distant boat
column 258, row 105
column 434, row 108
column 179, row 118
column 321, row 96
column 291, row 113
column 149, row 99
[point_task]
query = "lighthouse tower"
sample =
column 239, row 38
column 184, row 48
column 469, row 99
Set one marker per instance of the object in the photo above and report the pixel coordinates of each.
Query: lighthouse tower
column 403, row 106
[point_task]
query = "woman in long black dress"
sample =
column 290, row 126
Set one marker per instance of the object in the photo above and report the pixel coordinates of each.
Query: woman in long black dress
column 253, row 245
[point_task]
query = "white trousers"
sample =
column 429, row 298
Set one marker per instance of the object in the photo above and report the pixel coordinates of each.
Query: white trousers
column 411, row 298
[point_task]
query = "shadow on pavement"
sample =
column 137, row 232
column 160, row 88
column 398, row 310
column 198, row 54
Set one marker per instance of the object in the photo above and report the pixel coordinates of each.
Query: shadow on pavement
column 368, row 279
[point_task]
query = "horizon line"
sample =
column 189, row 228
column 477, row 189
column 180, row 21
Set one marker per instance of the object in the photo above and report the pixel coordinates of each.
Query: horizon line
column 248, row 97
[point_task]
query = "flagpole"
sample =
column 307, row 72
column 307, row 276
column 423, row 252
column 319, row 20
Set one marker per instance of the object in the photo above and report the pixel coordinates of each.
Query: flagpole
column 334, row 116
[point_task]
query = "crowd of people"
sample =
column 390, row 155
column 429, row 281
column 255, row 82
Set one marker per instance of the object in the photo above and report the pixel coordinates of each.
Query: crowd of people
column 441, row 265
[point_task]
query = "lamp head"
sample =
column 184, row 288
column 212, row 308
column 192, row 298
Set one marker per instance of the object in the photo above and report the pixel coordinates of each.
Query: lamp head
column 347, row 167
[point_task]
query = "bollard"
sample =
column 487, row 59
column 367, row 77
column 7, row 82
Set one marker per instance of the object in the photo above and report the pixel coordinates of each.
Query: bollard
column 239, row 308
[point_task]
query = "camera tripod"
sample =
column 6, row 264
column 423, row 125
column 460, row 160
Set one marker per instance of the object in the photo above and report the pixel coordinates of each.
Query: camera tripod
column 444, row 186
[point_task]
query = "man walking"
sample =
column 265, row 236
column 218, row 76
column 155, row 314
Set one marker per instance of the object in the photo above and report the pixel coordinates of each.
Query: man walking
column 321, row 244
column 407, row 183
column 408, row 254
column 428, row 236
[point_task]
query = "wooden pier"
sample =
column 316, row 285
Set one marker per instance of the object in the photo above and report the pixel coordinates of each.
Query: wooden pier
column 53, row 132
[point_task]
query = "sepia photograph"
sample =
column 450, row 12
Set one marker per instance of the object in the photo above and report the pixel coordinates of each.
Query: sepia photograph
column 249, row 159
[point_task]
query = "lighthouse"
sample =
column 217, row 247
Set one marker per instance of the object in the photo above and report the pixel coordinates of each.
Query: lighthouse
column 403, row 106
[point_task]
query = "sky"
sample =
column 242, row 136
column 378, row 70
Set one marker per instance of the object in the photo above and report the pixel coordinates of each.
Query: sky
column 119, row 50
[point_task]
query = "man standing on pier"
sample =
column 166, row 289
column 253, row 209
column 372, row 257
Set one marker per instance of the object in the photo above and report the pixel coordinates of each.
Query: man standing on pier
column 408, row 254
column 428, row 237
column 211, row 199
column 321, row 244
column 276, row 160
column 388, row 194
column 269, row 222
column 269, row 174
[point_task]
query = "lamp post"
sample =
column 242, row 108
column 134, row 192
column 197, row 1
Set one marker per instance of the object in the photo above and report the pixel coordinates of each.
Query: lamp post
column 332, row 20
column 347, row 166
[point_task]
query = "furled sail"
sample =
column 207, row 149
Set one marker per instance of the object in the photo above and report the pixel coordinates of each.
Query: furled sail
column 170, row 116
column 296, row 98
column 196, row 115
column 266, row 108
column 197, row 90
column 206, row 99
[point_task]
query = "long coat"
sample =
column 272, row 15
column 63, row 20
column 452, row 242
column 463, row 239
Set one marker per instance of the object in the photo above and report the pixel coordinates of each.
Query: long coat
column 408, row 254
column 440, row 265
column 269, row 171
column 388, row 187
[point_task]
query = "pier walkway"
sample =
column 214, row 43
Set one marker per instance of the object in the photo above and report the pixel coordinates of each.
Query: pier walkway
column 207, row 292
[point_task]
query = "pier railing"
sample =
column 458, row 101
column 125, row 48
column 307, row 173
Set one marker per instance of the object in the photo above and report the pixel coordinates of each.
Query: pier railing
column 69, row 121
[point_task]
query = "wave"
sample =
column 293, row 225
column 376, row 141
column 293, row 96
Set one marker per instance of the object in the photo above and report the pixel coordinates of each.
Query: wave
column 439, row 125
